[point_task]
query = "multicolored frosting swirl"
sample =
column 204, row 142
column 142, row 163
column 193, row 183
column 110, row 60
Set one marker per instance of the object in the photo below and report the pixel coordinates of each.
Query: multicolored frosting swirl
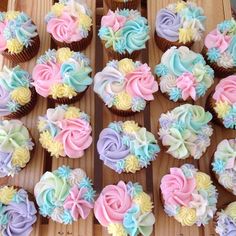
column 16, row 31
column 226, row 221
column 224, row 164
column 17, row 212
column 181, row 21
column 126, row 147
column 221, row 44
column 62, row 73
column 184, row 74
column 15, row 147
column 126, row 85
column 186, row 131
column 189, row 195
column 124, row 30
column 225, row 101
column 15, row 89
column 65, row 131
column 125, row 210
column 65, row 195
column 69, row 20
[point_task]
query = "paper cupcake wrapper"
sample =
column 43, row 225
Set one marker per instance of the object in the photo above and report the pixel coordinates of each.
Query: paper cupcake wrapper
column 115, row 111
column 165, row 44
column 130, row 4
column 27, row 53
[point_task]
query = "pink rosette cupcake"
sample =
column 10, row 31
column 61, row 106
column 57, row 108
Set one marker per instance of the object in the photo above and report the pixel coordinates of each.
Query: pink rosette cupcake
column 65, row 132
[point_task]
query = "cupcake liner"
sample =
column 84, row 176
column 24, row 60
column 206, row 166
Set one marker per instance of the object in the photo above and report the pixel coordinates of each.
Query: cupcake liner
column 220, row 72
column 24, row 110
column 165, row 44
column 130, row 4
column 27, row 53
column 115, row 111
column 76, row 46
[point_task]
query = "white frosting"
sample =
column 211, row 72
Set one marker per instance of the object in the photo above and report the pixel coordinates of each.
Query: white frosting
column 225, row 60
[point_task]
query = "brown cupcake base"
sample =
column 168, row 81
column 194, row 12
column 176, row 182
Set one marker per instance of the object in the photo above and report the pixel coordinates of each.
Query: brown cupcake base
column 219, row 71
column 164, row 44
column 130, row 4
column 121, row 113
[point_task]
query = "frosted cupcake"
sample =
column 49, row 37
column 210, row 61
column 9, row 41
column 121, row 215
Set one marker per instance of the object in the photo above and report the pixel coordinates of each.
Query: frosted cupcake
column 224, row 165
column 19, row 39
column 222, row 103
column 127, row 147
column 127, row 4
column 124, row 209
column 179, row 24
column 189, row 196
column 17, row 94
column 124, row 33
column 65, row 131
column 125, row 86
column 186, row 131
column 183, row 74
column 220, row 48
column 62, row 76
column 65, row 195
column 226, row 221
column 15, row 147
column 70, row 24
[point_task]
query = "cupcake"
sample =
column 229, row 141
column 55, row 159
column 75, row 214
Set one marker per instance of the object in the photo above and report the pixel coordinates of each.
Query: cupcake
column 15, row 147
column 186, row 131
column 65, row 131
column 17, row 212
column 220, row 48
column 19, row 39
column 70, row 24
column 65, row 195
column 226, row 221
column 62, row 76
column 125, row 86
column 17, row 94
column 222, row 103
column 124, row 33
column 127, row 4
column 124, row 209
column 127, row 147
column 189, row 195
column 224, row 166
column 179, row 24
column 183, row 74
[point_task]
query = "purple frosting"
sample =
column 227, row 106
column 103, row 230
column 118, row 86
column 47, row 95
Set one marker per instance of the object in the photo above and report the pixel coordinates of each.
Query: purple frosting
column 4, row 99
column 110, row 148
column 168, row 24
column 5, row 163
column 231, row 227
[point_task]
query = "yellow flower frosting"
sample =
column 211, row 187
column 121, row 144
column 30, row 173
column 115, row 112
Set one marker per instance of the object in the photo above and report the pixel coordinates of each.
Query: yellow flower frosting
column 56, row 149
column 131, row 164
column 231, row 210
column 222, row 108
column 63, row 54
column 123, row 101
column 7, row 194
column 72, row 112
column 143, row 200
column 20, row 157
column 85, row 21
column 11, row 15
column 41, row 125
column 180, row 6
column 14, row 46
column 21, row 95
column 186, row 216
column 45, row 139
column 57, row 9
column 130, row 127
column 116, row 229
column 126, row 66
column 62, row 90
column 185, row 35
column 203, row 181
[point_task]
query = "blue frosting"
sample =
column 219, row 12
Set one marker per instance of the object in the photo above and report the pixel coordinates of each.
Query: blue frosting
column 213, row 54
column 232, row 48
column 201, row 90
column 120, row 166
column 134, row 189
column 66, row 217
column 63, row 171
column 117, row 126
column 230, row 119
column 161, row 70
column 85, row 183
column 89, row 195
column 175, row 94
column 190, row 13
column 219, row 166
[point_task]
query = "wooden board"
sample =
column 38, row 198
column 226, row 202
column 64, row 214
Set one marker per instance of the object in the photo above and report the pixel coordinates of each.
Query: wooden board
column 100, row 118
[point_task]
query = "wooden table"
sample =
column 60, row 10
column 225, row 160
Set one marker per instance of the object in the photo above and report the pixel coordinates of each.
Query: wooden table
column 216, row 11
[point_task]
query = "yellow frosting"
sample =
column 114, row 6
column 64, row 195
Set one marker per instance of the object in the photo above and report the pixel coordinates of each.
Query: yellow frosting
column 20, row 157
column 126, row 66
column 130, row 127
column 222, row 108
column 180, row 6
column 85, row 21
column 7, row 194
column 131, row 164
column 62, row 91
column 123, row 101
column 72, row 112
column 56, row 149
column 203, row 181
column 21, row 95
column 63, row 54
column 45, row 139
column 41, row 125
column 57, row 9
column 231, row 210
column 14, row 46
column 186, row 216
column 144, row 202
column 11, row 15
column 185, row 35
column 116, row 229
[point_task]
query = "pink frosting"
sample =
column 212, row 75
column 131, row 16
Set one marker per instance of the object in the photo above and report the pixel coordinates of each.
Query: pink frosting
column 44, row 76
column 215, row 39
column 176, row 188
column 113, row 21
column 225, row 91
column 76, row 204
column 64, row 29
column 112, row 204
column 187, row 83
column 3, row 42
column 141, row 83
column 75, row 136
